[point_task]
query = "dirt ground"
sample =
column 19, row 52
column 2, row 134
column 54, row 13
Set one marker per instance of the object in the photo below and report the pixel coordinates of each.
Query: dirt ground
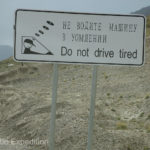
column 122, row 115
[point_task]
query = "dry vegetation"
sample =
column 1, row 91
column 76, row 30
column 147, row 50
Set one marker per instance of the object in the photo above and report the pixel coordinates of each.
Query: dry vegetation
column 122, row 116
column 148, row 26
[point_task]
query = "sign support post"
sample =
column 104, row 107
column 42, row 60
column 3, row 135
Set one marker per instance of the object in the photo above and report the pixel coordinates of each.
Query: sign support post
column 53, row 107
column 92, row 109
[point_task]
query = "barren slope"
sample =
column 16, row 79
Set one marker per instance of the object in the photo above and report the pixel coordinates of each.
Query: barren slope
column 122, row 116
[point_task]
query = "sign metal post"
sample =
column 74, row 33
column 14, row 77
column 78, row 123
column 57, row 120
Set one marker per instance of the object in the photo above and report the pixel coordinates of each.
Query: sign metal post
column 92, row 108
column 53, row 108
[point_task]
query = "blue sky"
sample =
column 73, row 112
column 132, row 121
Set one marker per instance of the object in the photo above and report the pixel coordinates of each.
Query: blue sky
column 8, row 7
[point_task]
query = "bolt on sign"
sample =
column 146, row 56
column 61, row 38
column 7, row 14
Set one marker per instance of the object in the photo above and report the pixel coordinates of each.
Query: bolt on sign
column 69, row 37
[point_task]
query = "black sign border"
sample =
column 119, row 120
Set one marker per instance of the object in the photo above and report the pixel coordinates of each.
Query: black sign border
column 78, row 13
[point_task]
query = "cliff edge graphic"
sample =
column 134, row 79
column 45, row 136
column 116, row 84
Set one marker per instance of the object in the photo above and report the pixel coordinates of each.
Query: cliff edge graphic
column 30, row 45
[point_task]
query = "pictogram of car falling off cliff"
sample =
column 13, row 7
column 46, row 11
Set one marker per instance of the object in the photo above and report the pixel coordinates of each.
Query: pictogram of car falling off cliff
column 31, row 44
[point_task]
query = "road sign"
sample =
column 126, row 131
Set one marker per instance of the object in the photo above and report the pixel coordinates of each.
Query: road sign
column 67, row 37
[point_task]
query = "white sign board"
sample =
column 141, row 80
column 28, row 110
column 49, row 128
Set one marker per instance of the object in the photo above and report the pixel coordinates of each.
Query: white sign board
column 67, row 37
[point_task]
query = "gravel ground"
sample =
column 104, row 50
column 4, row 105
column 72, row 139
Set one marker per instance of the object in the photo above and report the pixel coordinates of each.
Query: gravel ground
column 122, row 115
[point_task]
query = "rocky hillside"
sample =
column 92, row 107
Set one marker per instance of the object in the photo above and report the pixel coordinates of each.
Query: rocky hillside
column 122, row 116
column 144, row 11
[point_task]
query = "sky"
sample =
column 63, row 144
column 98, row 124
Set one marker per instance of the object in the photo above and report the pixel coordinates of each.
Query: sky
column 8, row 7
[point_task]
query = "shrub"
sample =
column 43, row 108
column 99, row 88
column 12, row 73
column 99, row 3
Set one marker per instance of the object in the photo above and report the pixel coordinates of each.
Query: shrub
column 148, row 128
column 147, row 97
column 121, row 96
column 121, row 125
column 108, row 94
column 146, row 148
column 142, row 114
column 148, row 117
